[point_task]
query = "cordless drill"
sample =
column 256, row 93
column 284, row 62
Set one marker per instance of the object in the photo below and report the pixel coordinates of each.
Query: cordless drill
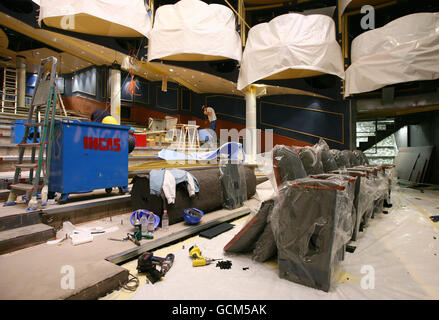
column 147, row 263
column 197, row 259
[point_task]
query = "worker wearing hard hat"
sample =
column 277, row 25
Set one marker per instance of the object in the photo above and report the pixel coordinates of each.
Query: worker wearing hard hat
column 105, row 117
column 210, row 113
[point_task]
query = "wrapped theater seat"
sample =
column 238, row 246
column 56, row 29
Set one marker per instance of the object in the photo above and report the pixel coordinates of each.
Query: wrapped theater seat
column 326, row 157
column 390, row 173
column 353, row 161
column 328, row 161
column 341, row 159
column 310, row 160
column 378, row 187
column 363, row 201
column 209, row 198
column 352, row 189
column 287, row 165
column 309, row 223
column 361, row 157
column 245, row 239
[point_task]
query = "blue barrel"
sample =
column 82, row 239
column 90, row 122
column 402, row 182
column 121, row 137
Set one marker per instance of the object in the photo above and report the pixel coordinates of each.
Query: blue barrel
column 88, row 156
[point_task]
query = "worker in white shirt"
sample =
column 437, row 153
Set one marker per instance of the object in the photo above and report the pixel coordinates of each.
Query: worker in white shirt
column 210, row 113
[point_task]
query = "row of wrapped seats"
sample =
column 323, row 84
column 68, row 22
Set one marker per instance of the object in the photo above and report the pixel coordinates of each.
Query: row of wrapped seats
column 324, row 198
column 316, row 216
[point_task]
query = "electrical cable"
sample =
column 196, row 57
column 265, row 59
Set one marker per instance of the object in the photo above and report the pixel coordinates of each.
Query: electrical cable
column 131, row 287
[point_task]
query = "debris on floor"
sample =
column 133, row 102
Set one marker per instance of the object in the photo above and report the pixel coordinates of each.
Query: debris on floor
column 80, row 235
column 224, row 264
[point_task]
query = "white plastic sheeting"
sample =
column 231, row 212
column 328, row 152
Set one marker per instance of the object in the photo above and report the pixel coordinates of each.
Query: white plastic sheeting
column 192, row 30
column 406, row 49
column 98, row 17
column 291, row 46
column 396, row 258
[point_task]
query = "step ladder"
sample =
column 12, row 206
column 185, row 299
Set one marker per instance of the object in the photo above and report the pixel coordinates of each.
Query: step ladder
column 44, row 98
column 187, row 137
column 9, row 95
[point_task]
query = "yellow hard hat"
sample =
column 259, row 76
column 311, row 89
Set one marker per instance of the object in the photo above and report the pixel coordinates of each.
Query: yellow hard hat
column 110, row 120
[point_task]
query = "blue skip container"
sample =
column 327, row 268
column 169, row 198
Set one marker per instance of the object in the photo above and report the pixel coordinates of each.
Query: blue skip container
column 87, row 156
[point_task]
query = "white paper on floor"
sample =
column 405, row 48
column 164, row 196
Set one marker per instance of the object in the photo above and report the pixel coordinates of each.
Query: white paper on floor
column 396, row 258
column 80, row 235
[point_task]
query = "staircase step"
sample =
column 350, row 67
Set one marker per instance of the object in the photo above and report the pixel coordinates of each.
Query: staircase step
column 30, row 144
column 22, row 187
column 26, row 165
column 24, row 237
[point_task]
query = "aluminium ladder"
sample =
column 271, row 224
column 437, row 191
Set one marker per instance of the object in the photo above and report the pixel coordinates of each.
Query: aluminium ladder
column 45, row 95
column 9, row 95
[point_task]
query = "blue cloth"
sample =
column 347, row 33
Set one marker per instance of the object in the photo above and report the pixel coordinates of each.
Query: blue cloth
column 181, row 176
column 231, row 149
column 213, row 125
column 156, row 180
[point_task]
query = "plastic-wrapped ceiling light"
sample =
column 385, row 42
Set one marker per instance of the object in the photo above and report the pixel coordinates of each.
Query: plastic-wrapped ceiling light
column 406, row 49
column 192, row 30
column 111, row 18
column 291, row 46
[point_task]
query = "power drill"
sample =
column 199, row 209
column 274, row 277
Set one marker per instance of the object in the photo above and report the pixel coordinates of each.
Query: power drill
column 197, row 259
column 147, row 263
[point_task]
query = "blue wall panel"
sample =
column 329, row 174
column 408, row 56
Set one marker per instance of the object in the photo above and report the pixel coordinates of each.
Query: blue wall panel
column 306, row 118
column 166, row 101
column 305, row 121
column 142, row 92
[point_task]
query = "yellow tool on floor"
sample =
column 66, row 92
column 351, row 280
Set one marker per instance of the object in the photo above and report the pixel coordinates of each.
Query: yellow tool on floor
column 197, row 259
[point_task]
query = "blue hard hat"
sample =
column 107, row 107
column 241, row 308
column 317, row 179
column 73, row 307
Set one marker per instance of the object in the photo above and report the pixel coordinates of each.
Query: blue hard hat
column 190, row 218
column 142, row 212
